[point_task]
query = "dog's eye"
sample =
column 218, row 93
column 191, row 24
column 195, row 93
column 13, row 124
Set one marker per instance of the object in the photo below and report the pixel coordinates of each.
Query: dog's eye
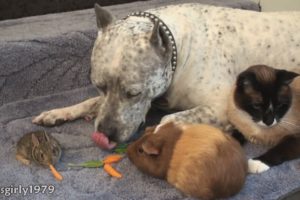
column 131, row 94
column 102, row 88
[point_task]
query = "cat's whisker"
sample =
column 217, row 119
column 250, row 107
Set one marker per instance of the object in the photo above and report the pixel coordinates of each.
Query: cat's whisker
column 290, row 123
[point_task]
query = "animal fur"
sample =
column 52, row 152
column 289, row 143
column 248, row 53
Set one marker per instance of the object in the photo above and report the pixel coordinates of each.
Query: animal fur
column 288, row 125
column 199, row 160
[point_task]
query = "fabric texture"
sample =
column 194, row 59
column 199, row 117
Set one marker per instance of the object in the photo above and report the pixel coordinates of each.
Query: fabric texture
column 45, row 63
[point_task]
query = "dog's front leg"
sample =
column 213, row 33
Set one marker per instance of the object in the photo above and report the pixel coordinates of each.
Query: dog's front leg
column 87, row 108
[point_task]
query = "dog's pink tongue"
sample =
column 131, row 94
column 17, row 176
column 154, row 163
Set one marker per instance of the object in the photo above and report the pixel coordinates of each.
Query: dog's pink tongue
column 102, row 140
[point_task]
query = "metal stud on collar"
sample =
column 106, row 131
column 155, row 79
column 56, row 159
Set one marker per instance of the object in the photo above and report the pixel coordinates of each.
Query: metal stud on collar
column 167, row 31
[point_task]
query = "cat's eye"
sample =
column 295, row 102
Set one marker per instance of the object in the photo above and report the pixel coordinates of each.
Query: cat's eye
column 257, row 106
column 281, row 105
column 54, row 151
column 42, row 156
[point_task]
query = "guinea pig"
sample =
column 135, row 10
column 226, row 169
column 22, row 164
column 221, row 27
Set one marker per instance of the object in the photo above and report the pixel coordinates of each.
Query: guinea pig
column 199, row 160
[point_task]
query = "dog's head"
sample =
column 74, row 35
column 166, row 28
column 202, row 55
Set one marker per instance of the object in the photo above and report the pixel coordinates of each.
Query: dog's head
column 129, row 61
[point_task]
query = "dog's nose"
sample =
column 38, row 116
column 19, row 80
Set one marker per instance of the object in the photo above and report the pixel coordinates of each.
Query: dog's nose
column 107, row 129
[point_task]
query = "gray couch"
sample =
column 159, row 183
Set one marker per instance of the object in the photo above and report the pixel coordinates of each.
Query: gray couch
column 44, row 64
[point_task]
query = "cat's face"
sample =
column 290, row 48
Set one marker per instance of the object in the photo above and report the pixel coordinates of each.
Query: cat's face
column 264, row 93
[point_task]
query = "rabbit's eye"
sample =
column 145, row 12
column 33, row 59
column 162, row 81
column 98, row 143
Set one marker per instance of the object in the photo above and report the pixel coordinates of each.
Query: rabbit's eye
column 54, row 151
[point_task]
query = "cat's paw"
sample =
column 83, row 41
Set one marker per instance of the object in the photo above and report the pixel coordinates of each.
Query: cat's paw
column 263, row 140
column 256, row 166
column 253, row 140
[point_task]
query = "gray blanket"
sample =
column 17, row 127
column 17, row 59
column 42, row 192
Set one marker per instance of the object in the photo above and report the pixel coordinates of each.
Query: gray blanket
column 77, row 146
column 51, row 57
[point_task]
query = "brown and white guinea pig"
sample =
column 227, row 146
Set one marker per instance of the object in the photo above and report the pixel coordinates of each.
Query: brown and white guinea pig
column 199, row 160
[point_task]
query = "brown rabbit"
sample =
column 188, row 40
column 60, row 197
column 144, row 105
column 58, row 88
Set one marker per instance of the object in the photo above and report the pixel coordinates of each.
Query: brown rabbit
column 39, row 147
column 199, row 160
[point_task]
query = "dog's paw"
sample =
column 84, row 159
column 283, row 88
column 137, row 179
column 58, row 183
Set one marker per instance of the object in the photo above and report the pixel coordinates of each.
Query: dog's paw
column 256, row 166
column 52, row 117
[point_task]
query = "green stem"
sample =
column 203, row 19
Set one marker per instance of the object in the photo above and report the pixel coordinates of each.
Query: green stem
column 88, row 164
column 121, row 148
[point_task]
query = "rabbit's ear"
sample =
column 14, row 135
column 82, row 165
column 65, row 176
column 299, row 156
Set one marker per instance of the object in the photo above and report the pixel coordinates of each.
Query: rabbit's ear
column 46, row 136
column 35, row 140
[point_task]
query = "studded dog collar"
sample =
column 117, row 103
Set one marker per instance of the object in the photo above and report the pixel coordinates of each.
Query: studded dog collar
column 166, row 30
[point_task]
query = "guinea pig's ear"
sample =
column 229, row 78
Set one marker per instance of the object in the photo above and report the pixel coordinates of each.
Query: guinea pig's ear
column 35, row 140
column 151, row 148
column 150, row 129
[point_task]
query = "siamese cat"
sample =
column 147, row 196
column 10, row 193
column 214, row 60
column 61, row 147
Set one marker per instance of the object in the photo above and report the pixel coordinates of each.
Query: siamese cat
column 264, row 107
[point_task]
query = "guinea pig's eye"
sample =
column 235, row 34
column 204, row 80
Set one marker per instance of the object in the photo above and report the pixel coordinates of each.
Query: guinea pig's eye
column 140, row 150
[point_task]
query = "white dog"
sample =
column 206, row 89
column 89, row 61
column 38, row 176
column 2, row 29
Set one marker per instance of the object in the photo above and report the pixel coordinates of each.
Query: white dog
column 188, row 54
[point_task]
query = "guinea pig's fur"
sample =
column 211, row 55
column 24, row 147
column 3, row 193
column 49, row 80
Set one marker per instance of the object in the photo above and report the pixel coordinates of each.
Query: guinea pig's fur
column 197, row 159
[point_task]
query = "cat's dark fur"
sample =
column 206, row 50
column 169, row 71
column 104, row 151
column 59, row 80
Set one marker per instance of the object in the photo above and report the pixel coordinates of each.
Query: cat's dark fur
column 265, row 108
column 264, row 93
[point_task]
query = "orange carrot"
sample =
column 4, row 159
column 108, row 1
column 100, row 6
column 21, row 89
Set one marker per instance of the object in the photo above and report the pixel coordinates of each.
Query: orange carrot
column 111, row 171
column 112, row 158
column 55, row 173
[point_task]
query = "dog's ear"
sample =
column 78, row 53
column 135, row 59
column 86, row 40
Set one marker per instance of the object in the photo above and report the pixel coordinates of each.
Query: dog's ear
column 104, row 18
column 160, row 40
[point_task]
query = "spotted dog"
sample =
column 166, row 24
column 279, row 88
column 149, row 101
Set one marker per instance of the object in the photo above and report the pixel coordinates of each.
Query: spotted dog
column 187, row 54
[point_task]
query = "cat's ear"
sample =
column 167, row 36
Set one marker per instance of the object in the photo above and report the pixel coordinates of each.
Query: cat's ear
column 286, row 77
column 245, row 80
